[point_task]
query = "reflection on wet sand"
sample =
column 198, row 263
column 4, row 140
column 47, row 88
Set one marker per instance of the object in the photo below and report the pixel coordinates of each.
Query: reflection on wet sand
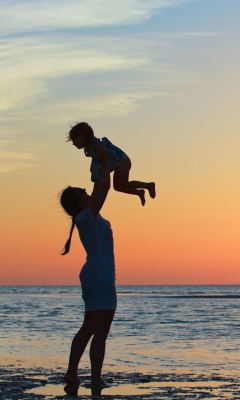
column 41, row 383
column 148, row 388
column 71, row 389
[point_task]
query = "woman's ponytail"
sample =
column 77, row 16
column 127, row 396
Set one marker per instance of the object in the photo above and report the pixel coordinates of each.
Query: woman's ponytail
column 69, row 200
column 68, row 242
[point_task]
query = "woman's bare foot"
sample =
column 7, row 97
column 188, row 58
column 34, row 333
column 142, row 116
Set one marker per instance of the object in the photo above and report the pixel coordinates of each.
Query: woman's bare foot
column 71, row 378
column 142, row 196
column 151, row 189
column 71, row 389
column 99, row 382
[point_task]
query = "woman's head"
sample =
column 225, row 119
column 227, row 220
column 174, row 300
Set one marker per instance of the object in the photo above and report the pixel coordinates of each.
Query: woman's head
column 73, row 200
column 70, row 199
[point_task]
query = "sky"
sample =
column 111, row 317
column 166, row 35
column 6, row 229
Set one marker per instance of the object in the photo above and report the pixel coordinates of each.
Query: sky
column 160, row 79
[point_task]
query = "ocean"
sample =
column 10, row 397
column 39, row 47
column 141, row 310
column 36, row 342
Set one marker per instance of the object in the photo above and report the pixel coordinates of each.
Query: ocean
column 157, row 329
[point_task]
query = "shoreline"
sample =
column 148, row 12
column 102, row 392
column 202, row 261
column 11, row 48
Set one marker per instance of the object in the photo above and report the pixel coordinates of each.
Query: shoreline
column 41, row 383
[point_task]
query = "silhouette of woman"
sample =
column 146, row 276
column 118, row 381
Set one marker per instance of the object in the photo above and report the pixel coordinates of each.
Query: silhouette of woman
column 97, row 276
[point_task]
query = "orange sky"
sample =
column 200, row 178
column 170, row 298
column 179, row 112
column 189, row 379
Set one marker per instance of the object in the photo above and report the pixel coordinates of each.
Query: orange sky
column 163, row 85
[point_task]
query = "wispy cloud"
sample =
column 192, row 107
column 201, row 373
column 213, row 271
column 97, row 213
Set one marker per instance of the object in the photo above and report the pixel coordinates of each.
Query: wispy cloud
column 39, row 15
column 192, row 34
column 29, row 65
column 111, row 105
column 32, row 66
column 17, row 92
column 26, row 65
column 13, row 158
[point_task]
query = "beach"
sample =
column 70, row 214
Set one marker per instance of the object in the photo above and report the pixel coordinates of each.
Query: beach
column 41, row 383
column 166, row 342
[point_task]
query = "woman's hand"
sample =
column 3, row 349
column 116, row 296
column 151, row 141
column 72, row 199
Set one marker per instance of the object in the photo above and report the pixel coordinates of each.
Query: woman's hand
column 100, row 151
column 102, row 186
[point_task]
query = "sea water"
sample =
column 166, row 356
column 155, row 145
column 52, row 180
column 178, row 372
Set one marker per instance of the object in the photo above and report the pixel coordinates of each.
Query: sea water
column 159, row 329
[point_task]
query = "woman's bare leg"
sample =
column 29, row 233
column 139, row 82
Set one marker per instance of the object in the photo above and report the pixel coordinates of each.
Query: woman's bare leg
column 102, row 324
column 121, row 182
column 79, row 344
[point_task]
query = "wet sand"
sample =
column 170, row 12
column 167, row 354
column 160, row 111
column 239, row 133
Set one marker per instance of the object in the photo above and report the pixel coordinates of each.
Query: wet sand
column 41, row 383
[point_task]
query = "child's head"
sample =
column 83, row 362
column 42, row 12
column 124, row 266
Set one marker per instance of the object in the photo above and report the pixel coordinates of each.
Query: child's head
column 81, row 134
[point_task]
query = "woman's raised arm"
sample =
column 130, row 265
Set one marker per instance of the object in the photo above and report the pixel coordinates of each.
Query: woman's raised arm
column 102, row 186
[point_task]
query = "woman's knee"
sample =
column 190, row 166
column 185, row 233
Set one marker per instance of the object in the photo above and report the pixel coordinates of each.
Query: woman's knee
column 102, row 323
column 88, row 324
column 101, row 333
column 87, row 329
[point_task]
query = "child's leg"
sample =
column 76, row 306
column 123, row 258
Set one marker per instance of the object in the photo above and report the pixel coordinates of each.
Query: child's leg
column 121, row 182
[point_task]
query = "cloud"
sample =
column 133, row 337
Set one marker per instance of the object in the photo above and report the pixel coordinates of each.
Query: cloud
column 110, row 105
column 15, row 91
column 113, row 105
column 45, row 15
column 53, row 57
column 186, row 35
column 32, row 66
column 14, row 159
column 27, row 64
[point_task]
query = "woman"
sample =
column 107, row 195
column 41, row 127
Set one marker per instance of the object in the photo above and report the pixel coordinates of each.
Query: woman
column 98, row 273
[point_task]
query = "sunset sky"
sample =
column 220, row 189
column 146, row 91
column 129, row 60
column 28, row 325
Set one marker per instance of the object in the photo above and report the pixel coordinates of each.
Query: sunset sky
column 160, row 79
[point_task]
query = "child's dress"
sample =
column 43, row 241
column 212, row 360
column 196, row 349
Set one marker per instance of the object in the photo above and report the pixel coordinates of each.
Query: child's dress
column 115, row 155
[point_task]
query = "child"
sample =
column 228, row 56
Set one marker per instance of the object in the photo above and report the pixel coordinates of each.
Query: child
column 82, row 136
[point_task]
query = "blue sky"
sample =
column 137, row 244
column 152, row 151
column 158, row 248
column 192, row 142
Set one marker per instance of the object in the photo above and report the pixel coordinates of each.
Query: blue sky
column 105, row 58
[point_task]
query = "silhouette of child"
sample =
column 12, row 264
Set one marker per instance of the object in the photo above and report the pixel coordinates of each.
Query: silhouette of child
column 82, row 136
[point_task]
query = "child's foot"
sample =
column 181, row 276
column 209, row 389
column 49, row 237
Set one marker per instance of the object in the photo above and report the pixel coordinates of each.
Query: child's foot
column 71, row 378
column 142, row 196
column 151, row 189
